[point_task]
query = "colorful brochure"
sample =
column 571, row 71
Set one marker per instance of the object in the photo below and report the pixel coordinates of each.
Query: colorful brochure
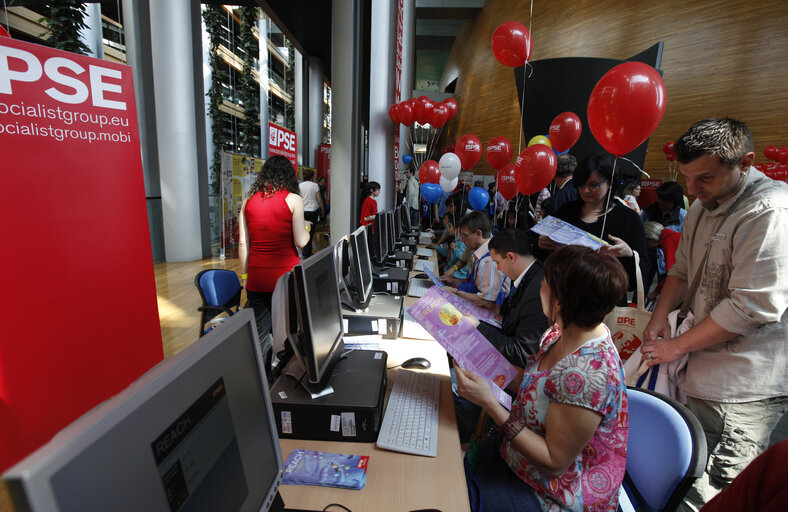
column 435, row 279
column 309, row 467
column 455, row 332
column 567, row 234
column 467, row 307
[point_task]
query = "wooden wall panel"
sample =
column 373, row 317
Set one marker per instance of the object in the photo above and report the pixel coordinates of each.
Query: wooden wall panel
column 721, row 58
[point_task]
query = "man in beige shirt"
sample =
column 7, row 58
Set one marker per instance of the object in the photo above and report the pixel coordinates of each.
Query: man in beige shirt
column 737, row 372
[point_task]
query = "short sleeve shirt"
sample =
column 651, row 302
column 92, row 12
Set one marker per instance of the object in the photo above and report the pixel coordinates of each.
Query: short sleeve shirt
column 591, row 377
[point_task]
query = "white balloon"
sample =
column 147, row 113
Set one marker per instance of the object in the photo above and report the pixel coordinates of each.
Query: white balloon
column 448, row 185
column 450, row 166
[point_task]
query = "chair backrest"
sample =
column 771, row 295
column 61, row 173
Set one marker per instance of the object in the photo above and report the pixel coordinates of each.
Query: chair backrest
column 217, row 287
column 666, row 450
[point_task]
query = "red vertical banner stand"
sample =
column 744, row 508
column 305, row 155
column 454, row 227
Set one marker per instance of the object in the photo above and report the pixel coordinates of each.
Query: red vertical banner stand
column 78, row 297
column 324, row 166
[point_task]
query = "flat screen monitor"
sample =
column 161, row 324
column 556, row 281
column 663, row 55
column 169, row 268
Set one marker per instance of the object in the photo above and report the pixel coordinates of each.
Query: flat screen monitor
column 380, row 237
column 195, row 433
column 390, row 231
column 320, row 315
column 398, row 231
column 405, row 218
column 359, row 268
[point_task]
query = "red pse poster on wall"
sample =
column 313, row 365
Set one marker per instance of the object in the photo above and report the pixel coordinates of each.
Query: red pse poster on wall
column 78, row 282
column 282, row 141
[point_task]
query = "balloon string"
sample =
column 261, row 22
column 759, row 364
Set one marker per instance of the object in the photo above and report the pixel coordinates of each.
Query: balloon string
column 522, row 112
column 530, row 19
column 609, row 193
column 636, row 166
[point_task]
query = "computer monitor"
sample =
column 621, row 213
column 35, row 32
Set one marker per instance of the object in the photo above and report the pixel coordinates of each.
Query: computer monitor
column 405, row 218
column 398, row 223
column 380, row 237
column 390, row 231
column 318, row 342
column 355, row 269
column 195, row 433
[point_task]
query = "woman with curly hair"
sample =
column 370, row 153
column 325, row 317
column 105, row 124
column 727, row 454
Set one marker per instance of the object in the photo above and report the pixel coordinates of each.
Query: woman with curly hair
column 272, row 229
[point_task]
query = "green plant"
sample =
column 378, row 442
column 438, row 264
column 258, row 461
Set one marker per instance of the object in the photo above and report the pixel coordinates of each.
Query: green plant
column 65, row 18
column 215, row 18
column 249, row 89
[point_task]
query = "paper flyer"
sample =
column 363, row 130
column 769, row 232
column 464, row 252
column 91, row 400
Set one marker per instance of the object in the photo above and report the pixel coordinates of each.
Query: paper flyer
column 310, row 467
column 567, row 234
column 467, row 307
column 435, row 279
column 455, row 332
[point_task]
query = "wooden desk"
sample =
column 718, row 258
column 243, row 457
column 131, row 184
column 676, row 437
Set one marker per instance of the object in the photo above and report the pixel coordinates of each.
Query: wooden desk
column 396, row 481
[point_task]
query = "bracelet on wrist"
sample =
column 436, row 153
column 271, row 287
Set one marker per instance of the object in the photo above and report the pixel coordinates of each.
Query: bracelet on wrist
column 511, row 427
column 244, row 276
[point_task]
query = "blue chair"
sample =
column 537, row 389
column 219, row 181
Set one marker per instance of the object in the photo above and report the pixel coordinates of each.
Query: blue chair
column 220, row 291
column 666, row 452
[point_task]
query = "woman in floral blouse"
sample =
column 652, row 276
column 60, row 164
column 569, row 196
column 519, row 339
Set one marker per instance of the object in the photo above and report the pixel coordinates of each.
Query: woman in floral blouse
column 563, row 446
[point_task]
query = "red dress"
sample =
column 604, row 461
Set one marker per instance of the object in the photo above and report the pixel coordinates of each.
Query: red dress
column 272, row 251
column 370, row 207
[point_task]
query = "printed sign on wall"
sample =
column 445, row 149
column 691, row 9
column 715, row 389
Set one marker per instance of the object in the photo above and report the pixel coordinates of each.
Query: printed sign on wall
column 76, row 244
column 282, row 141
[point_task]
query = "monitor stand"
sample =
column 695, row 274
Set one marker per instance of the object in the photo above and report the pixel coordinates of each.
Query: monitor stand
column 296, row 370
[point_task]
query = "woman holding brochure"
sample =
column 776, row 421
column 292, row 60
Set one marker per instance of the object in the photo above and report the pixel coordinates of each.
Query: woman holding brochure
column 599, row 212
column 563, row 445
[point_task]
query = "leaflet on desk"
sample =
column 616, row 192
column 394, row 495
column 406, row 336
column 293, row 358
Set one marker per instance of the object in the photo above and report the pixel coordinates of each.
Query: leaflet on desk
column 455, row 332
column 310, row 467
column 467, row 307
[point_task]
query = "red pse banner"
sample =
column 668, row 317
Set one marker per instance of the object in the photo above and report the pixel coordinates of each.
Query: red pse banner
column 76, row 246
column 282, row 141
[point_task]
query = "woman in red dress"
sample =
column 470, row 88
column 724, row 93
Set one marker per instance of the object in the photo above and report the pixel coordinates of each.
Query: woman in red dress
column 272, row 229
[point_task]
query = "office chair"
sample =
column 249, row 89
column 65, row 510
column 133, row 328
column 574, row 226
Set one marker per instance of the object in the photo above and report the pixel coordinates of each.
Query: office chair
column 666, row 452
column 220, row 292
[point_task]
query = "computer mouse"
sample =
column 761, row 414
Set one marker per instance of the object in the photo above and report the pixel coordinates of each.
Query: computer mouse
column 420, row 276
column 418, row 363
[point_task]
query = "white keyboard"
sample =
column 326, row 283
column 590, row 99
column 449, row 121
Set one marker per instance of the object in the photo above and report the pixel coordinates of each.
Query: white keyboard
column 420, row 265
column 410, row 424
column 423, row 251
column 418, row 287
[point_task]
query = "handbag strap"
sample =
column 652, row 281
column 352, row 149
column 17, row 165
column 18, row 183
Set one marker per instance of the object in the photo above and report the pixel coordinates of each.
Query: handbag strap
column 640, row 293
column 702, row 267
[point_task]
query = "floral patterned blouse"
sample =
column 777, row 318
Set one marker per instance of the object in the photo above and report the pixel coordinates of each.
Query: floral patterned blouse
column 591, row 377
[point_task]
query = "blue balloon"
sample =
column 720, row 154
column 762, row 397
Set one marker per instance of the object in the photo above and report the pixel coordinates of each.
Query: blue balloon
column 431, row 192
column 406, row 159
column 479, row 198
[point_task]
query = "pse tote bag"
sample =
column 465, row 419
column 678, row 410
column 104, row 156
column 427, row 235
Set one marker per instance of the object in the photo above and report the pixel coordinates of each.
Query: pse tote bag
column 627, row 324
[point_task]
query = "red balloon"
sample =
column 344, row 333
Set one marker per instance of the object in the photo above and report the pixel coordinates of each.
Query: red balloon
column 439, row 115
column 507, row 182
column 424, row 109
column 429, row 172
column 535, row 168
column 770, row 166
column 406, row 114
column 668, row 147
column 394, row 114
column 499, row 152
column 565, row 131
column 671, row 157
column 451, row 104
column 469, row 149
column 770, row 152
column 626, row 106
column 511, row 44
column 782, row 155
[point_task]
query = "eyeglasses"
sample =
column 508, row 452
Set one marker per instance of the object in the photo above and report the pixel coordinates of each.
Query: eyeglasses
column 596, row 186
column 464, row 235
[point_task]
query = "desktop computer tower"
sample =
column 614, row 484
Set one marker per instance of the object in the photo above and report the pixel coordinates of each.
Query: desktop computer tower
column 353, row 411
column 391, row 280
column 382, row 316
column 400, row 259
